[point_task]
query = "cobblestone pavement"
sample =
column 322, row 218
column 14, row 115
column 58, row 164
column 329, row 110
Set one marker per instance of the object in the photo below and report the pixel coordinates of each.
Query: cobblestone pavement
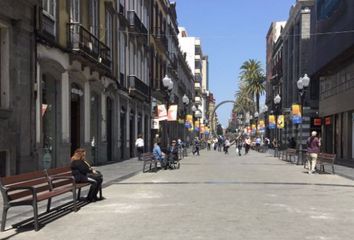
column 213, row 196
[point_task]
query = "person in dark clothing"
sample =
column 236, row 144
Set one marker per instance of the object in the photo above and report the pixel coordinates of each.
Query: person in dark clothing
column 196, row 146
column 83, row 172
column 172, row 153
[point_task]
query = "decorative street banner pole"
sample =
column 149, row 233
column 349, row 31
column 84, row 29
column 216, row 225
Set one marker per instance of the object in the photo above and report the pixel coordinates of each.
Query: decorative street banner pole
column 280, row 122
column 296, row 113
column 271, row 121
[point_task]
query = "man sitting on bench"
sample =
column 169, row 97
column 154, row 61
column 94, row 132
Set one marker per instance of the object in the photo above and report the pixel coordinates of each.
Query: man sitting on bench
column 159, row 155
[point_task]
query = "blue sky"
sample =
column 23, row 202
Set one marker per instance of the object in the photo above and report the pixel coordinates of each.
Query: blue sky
column 231, row 32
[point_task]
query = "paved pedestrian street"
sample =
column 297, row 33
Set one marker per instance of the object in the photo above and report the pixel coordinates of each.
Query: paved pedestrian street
column 214, row 196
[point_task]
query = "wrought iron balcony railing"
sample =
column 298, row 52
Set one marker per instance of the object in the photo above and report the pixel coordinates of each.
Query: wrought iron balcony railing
column 46, row 27
column 136, row 26
column 81, row 40
column 160, row 38
column 138, row 88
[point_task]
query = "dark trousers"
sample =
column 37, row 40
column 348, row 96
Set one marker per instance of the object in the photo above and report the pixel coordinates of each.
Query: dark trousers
column 140, row 151
column 247, row 148
column 96, row 183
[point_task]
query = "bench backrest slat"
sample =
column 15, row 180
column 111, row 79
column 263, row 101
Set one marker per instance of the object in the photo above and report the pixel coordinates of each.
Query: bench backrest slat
column 58, row 171
column 25, row 193
column 21, row 177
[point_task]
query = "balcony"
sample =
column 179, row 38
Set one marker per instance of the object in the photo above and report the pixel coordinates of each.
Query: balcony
column 88, row 45
column 46, row 28
column 160, row 38
column 138, row 88
column 197, row 87
column 136, row 26
column 122, row 14
column 173, row 61
column 198, row 100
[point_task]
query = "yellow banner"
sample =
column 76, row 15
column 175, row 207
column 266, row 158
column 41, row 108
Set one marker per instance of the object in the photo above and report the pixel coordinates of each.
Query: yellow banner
column 296, row 110
column 261, row 124
column 280, row 122
column 189, row 118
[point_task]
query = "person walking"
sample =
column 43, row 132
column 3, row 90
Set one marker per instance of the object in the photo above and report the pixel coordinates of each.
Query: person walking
column 239, row 146
column 139, row 144
column 226, row 146
column 196, row 146
column 313, row 148
column 247, row 145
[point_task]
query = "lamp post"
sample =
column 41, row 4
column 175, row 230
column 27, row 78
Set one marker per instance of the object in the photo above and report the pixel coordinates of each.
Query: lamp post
column 185, row 101
column 168, row 84
column 277, row 100
column 302, row 85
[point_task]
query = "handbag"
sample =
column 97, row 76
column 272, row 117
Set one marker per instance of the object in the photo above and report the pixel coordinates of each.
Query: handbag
column 97, row 175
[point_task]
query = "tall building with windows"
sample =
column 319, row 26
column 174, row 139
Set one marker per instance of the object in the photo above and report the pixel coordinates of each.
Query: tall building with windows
column 191, row 47
column 18, row 89
column 296, row 48
column 83, row 81
column 333, row 75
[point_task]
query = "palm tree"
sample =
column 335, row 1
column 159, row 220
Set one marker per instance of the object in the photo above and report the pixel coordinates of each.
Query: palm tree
column 253, row 77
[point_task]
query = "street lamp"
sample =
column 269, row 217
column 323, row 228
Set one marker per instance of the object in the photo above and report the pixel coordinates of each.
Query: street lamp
column 302, row 85
column 277, row 100
column 168, row 84
column 185, row 101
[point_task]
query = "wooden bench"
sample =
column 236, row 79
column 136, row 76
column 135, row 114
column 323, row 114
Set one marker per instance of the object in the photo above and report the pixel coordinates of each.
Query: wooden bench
column 30, row 188
column 290, row 153
column 326, row 159
column 148, row 159
column 61, row 177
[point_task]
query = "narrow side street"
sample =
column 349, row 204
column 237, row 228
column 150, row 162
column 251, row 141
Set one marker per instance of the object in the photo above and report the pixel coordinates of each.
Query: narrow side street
column 214, row 196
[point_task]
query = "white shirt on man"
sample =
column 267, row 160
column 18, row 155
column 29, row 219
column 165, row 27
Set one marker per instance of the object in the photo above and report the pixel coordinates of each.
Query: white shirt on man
column 139, row 142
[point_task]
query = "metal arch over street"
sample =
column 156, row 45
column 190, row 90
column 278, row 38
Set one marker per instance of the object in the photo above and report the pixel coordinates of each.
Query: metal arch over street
column 213, row 114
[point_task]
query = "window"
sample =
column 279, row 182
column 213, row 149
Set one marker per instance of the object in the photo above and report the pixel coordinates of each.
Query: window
column 94, row 17
column 122, row 53
column 75, row 11
column 4, row 66
column 109, row 29
column 49, row 7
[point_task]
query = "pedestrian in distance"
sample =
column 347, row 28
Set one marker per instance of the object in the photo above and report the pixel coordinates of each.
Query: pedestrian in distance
column 247, row 145
column 83, row 172
column 258, row 143
column 196, row 146
column 172, row 154
column 313, row 148
column 239, row 147
column 227, row 146
column 139, row 144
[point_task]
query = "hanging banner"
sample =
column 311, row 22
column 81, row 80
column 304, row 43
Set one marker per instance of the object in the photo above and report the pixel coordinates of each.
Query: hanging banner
column 261, row 126
column 172, row 113
column 202, row 128
column 280, row 122
column 196, row 126
column 161, row 112
column 155, row 124
column 207, row 131
column 296, row 113
column 189, row 121
column 254, row 128
column 44, row 109
column 271, row 120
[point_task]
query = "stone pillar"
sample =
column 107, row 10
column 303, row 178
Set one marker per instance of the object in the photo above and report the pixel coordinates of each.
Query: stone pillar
column 87, row 112
column 65, row 106
column 38, row 104
column 103, row 117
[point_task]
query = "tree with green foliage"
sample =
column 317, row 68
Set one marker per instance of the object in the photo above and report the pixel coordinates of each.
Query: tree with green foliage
column 252, row 80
